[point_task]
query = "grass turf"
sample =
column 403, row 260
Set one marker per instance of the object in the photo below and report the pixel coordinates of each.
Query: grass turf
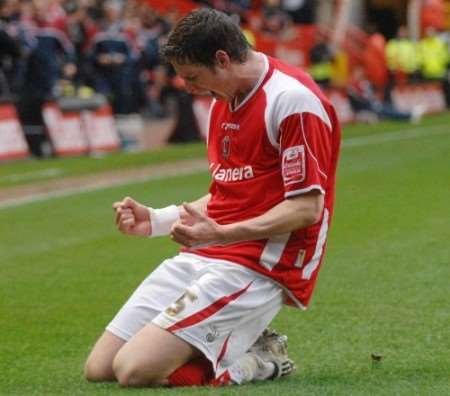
column 383, row 289
column 31, row 171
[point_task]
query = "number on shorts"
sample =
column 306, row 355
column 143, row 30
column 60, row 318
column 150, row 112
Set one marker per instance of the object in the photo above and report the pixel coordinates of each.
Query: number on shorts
column 180, row 304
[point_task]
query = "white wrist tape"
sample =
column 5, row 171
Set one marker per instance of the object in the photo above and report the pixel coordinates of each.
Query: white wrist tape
column 162, row 219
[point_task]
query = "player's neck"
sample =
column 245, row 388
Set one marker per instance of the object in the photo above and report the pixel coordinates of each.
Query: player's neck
column 248, row 75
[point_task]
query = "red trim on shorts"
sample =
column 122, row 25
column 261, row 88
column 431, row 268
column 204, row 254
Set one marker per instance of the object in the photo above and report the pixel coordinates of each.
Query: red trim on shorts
column 223, row 350
column 208, row 311
column 224, row 379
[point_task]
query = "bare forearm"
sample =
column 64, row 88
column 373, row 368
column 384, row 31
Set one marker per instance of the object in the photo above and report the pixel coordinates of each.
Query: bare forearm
column 289, row 215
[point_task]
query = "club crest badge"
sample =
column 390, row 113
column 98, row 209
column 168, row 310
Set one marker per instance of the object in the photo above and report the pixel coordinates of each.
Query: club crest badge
column 226, row 144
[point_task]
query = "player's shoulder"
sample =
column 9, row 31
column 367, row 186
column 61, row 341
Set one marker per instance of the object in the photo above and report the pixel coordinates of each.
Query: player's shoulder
column 288, row 83
column 293, row 93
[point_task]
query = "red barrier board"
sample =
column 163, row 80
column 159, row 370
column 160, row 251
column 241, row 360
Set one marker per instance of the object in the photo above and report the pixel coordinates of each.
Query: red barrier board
column 100, row 130
column 12, row 141
column 428, row 95
column 65, row 131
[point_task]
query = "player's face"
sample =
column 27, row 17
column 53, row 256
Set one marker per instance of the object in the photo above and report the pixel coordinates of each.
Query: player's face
column 202, row 80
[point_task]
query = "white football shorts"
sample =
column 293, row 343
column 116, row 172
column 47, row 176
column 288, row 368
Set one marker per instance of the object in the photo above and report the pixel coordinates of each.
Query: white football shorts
column 219, row 307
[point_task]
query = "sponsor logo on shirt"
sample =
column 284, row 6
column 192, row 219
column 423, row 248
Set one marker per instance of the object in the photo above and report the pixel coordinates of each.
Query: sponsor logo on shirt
column 294, row 164
column 229, row 126
column 231, row 174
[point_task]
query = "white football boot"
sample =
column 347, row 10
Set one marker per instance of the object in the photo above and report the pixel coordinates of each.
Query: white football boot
column 267, row 359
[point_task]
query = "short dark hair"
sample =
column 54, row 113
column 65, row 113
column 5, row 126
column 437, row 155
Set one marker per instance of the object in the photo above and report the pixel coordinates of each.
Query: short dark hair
column 199, row 35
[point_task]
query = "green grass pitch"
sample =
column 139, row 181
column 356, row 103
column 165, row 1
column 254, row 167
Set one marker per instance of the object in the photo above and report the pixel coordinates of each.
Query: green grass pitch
column 384, row 287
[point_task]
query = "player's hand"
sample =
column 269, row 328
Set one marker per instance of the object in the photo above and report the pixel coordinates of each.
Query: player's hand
column 198, row 232
column 132, row 218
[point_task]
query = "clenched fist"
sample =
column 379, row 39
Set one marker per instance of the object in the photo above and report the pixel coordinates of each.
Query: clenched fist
column 132, row 218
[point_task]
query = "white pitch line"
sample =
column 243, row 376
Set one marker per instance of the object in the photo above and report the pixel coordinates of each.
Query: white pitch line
column 50, row 172
column 100, row 185
column 357, row 141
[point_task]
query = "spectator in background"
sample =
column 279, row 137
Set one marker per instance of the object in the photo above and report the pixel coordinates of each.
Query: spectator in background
column 321, row 58
column 274, row 21
column 266, row 25
column 132, row 27
column 50, row 60
column 402, row 57
column 10, row 49
column 270, row 7
column 81, row 28
column 19, row 35
column 288, row 38
column 152, row 30
column 230, row 6
column 157, row 75
column 374, row 60
column 54, row 54
column 433, row 14
column 113, row 60
column 435, row 59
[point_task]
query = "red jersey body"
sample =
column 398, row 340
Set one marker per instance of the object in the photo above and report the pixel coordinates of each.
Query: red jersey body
column 281, row 141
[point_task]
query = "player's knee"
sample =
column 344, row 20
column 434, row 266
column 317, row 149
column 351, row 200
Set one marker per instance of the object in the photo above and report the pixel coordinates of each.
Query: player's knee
column 130, row 377
column 95, row 372
column 133, row 374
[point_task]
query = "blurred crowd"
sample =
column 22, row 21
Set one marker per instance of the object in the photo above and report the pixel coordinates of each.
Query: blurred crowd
column 54, row 48
column 387, row 64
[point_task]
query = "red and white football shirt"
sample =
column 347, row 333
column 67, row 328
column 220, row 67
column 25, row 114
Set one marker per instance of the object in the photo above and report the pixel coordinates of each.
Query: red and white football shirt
column 281, row 141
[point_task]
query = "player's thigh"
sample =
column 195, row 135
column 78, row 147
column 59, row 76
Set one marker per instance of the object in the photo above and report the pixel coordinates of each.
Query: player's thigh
column 164, row 285
column 151, row 356
column 158, row 290
column 98, row 366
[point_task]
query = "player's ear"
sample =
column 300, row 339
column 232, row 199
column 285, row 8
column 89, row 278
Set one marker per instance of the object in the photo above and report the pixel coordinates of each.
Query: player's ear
column 222, row 59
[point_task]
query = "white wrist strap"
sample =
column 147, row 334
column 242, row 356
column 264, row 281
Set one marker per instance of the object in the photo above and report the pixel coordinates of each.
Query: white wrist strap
column 162, row 219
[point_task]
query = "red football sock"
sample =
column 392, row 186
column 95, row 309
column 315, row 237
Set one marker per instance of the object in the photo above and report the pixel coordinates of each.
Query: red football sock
column 197, row 372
